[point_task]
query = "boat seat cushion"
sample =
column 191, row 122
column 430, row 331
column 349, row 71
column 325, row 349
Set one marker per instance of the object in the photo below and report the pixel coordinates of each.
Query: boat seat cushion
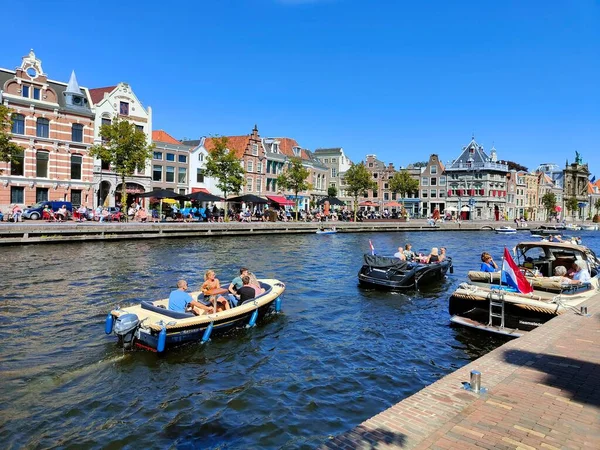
column 165, row 312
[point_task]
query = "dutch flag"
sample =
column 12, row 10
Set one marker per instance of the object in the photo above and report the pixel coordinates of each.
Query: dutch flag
column 372, row 248
column 512, row 276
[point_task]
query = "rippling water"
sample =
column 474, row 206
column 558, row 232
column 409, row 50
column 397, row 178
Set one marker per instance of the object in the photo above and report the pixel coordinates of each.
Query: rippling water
column 336, row 356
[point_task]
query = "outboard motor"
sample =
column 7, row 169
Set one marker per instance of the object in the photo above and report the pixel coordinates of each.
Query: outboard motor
column 125, row 328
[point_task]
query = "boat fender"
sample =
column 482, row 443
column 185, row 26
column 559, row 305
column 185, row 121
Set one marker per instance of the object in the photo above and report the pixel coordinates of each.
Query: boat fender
column 207, row 332
column 253, row 318
column 451, row 268
column 278, row 304
column 162, row 340
column 110, row 320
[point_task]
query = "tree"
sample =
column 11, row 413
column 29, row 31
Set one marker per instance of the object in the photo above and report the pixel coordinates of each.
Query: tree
column 597, row 205
column 515, row 166
column 294, row 179
column 331, row 191
column 8, row 149
column 420, row 164
column 549, row 202
column 125, row 148
column 572, row 204
column 403, row 184
column 223, row 165
column 358, row 181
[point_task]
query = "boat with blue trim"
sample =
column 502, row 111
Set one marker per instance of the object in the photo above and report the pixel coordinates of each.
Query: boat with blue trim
column 151, row 326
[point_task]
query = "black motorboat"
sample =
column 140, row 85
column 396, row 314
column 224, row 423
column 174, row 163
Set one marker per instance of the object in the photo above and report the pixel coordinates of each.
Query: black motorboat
column 390, row 273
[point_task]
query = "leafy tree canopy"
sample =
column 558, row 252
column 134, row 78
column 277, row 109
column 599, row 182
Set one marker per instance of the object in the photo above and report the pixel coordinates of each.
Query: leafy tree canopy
column 572, row 204
column 549, row 201
column 294, row 179
column 332, row 191
column 225, row 167
column 515, row 166
column 125, row 148
column 8, row 149
column 420, row 164
column 358, row 181
column 403, row 184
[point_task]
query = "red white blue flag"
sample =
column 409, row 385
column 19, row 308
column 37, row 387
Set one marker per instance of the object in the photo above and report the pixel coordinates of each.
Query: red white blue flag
column 372, row 248
column 512, row 276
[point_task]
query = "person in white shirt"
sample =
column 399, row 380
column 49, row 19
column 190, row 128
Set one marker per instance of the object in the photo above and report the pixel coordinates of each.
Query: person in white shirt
column 581, row 271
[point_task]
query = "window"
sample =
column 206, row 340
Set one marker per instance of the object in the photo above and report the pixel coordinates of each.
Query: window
column 433, row 170
column 42, row 128
column 182, row 175
column 18, row 124
column 333, row 172
column 182, row 158
column 434, row 181
column 326, row 160
column 424, row 181
column 386, row 196
column 76, row 197
column 25, row 91
column 156, row 173
column 124, row 108
column 36, row 93
column 259, row 167
column 258, row 185
column 17, row 194
column 424, row 193
column 157, row 155
column 375, row 194
column 375, row 175
column 333, row 160
column 41, row 164
column 170, row 174
column 255, row 149
column 296, row 151
column 200, row 157
column 104, row 165
column 249, row 166
column 170, row 157
column 106, row 122
column 77, row 132
column 433, row 193
column 140, row 128
column 248, row 184
column 17, row 164
column 442, row 193
column 199, row 176
column 76, row 162
column 41, row 195
column 442, row 181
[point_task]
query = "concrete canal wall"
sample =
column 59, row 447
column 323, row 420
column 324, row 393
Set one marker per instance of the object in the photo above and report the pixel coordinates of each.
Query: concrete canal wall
column 35, row 232
column 543, row 392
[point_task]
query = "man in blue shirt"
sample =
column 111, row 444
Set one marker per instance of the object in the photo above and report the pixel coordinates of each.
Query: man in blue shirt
column 180, row 301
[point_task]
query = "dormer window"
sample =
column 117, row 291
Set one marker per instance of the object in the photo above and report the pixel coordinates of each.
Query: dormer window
column 124, row 108
column 296, row 151
column 276, row 147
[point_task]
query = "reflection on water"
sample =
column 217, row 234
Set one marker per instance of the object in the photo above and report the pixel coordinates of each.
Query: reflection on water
column 335, row 356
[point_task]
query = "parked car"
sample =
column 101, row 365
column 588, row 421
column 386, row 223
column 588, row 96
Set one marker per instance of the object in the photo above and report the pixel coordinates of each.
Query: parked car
column 34, row 212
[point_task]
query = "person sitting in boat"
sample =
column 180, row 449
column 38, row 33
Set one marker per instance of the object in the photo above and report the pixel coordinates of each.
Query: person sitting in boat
column 581, row 271
column 400, row 254
column 560, row 274
column 246, row 292
column 487, row 263
column 442, row 255
column 254, row 283
column 236, row 283
column 409, row 255
column 433, row 257
column 210, row 284
column 181, row 301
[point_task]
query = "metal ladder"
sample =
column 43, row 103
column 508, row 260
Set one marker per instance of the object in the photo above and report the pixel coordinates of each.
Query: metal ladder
column 496, row 301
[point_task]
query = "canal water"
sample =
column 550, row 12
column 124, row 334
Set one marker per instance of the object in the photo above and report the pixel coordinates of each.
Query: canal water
column 334, row 357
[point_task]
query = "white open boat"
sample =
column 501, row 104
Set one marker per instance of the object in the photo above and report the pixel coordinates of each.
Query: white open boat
column 505, row 230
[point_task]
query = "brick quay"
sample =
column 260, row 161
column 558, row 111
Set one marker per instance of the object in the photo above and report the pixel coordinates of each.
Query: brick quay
column 36, row 232
column 542, row 392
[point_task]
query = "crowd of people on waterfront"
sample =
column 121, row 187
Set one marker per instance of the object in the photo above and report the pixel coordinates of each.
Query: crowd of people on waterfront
column 212, row 296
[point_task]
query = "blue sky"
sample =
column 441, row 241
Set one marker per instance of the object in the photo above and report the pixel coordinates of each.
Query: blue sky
column 398, row 79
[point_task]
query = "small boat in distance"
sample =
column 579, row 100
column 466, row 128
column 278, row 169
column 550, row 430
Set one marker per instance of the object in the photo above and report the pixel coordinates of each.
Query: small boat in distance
column 152, row 326
column 331, row 230
column 505, row 230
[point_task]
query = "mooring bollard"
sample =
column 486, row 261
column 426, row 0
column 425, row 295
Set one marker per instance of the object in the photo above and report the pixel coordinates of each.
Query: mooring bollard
column 584, row 310
column 475, row 380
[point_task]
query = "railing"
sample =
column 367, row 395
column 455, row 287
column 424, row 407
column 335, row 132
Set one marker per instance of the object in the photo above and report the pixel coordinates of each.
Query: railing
column 478, row 166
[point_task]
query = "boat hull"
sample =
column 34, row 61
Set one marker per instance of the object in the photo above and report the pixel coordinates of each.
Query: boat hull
column 417, row 276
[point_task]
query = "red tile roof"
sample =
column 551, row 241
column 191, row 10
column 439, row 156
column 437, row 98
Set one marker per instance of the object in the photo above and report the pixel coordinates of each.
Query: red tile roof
column 163, row 136
column 238, row 144
column 97, row 94
column 286, row 146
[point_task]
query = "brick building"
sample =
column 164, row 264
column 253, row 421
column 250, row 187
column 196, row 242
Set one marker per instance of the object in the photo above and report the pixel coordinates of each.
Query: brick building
column 54, row 125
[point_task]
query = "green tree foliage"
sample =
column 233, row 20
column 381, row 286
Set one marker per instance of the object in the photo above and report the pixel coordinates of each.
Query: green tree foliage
column 549, row 202
column 403, row 184
column 223, row 165
column 125, row 148
column 572, row 205
column 7, row 148
column 358, row 181
column 331, row 191
column 294, row 179
column 597, row 205
column 420, row 164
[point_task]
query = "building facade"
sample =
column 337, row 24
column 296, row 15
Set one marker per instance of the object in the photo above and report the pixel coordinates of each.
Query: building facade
column 477, row 184
column 53, row 124
column 108, row 103
column 170, row 163
column 576, row 179
column 432, row 187
column 337, row 164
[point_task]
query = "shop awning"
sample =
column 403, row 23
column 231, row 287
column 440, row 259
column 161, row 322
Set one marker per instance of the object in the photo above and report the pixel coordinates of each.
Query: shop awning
column 280, row 200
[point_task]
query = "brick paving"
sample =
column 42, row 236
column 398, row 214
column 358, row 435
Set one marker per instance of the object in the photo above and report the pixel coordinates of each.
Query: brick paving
column 543, row 393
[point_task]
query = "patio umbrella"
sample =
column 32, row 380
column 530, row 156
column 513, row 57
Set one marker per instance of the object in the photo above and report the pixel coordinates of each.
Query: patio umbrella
column 333, row 201
column 393, row 204
column 248, row 198
column 204, row 197
column 367, row 203
column 163, row 194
